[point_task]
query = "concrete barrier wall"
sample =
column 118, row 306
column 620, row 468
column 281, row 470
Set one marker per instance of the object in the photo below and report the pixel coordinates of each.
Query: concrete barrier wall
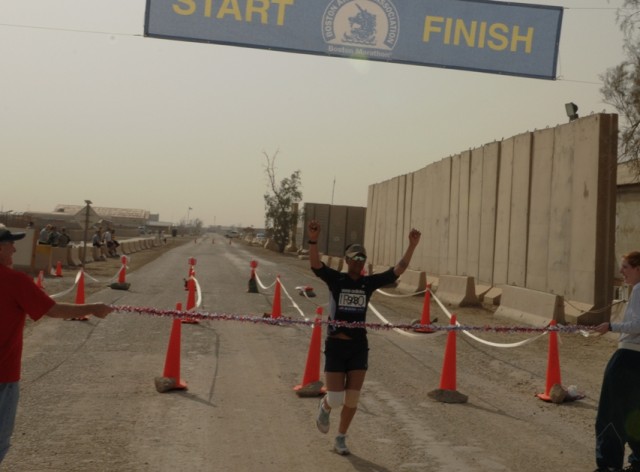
column 98, row 253
column 341, row 226
column 461, row 256
column 540, row 185
column 627, row 213
column 125, row 247
column 74, row 257
column 503, row 213
column 43, row 259
column 536, row 211
column 336, row 263
column 24, row 257
column 89, row 256
column 34, row 257
column 412, row 281
column 530, row 306
column 457, row 290
column 519, row 213
column 59, row 254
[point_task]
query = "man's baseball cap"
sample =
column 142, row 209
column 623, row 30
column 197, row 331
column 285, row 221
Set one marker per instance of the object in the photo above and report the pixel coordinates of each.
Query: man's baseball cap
column 6, row 235
column 355, row 250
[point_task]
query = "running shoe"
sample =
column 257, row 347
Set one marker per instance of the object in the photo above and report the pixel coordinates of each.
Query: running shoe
column 322, row 421
column 340, row 445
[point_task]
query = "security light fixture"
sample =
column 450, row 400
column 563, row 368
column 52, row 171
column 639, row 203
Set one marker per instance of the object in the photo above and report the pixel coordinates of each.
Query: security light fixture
column 572, row 110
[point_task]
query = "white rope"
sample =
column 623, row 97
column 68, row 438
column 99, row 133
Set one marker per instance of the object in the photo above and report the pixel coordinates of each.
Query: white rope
column 62, row 294
column 262, row 286
column 405, row 295
column 384, row 320
column 198, row 291
column 488, row 343
column 75, row 283
column 292, row 302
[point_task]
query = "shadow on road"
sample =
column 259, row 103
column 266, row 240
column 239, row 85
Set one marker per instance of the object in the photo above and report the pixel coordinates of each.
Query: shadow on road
column 364, row 465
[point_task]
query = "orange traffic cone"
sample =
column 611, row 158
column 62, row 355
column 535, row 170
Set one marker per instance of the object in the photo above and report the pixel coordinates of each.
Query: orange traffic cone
column 80, row 296
column 276, row 309
column 122, row 283
column 170, row 379
column 426, row 313
column 192, row 272
column 448, row 376
column 447, row 392
column 191, row 300
column 59, row 269
column 553, row 364
column 122, row 275
column 311, row 385
column 39, row 280
column 80, row 289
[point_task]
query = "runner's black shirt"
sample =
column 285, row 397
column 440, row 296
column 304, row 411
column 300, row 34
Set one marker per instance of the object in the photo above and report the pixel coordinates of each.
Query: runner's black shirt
column 350, row 298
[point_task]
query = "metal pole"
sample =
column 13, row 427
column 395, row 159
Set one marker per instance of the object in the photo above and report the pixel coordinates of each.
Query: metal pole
column 333, row 190
column 86, row 233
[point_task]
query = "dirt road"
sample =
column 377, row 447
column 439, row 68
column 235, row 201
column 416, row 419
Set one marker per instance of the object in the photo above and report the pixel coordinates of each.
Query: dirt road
column 89, row 402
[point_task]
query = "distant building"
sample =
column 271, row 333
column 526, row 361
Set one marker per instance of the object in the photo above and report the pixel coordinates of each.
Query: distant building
column 127, row 221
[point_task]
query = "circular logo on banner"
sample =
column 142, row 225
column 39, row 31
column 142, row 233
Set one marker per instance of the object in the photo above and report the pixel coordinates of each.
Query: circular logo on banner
column 363, row 27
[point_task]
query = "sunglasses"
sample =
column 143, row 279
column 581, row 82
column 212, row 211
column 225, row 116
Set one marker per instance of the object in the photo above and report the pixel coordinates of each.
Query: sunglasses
column 358, row 258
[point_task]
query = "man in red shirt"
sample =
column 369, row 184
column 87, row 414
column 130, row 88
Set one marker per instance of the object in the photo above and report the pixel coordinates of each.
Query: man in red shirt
column 20, row 297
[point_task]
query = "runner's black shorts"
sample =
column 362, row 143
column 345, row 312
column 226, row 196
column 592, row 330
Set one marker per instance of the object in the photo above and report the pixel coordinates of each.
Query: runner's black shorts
column 344, row 355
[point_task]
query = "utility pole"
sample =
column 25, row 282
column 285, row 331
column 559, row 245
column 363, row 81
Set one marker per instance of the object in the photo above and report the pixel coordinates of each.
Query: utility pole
column 333, row 190
column 86, row 232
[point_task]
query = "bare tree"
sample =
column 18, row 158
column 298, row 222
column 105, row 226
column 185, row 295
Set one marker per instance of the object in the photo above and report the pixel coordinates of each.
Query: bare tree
column 621, row 87
column 280, row 218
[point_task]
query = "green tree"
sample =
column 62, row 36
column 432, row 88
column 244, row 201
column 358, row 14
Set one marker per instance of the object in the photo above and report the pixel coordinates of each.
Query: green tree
column 621, row 87
column 280, row 218
column 197, row 226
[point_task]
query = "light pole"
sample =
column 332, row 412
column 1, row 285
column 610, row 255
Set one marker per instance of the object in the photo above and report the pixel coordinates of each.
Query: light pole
column 188, row 213
column 86, row 231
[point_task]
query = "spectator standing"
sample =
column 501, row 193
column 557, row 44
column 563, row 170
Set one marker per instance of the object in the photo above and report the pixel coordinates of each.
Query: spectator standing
column 96, row 240
column 43, row 237
column 107, row 239
column 63, row 239
column 53, row 236
column 116, row 244
column 617, row 422
column 19, row 298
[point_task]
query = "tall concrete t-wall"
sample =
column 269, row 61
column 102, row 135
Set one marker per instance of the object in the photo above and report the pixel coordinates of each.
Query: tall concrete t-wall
column 627, row 212
column 341, row 226
column 536, row 210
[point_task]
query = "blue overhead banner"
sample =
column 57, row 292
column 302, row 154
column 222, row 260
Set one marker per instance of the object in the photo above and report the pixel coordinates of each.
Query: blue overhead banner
column 486, row 36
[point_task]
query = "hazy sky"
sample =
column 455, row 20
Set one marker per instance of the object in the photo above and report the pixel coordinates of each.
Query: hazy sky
column 91, row 109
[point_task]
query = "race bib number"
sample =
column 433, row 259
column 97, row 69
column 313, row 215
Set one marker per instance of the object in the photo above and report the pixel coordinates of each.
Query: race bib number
column 352, row 300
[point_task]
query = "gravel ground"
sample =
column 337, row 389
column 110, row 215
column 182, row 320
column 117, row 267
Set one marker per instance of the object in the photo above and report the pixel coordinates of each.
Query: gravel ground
column 89, row 402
